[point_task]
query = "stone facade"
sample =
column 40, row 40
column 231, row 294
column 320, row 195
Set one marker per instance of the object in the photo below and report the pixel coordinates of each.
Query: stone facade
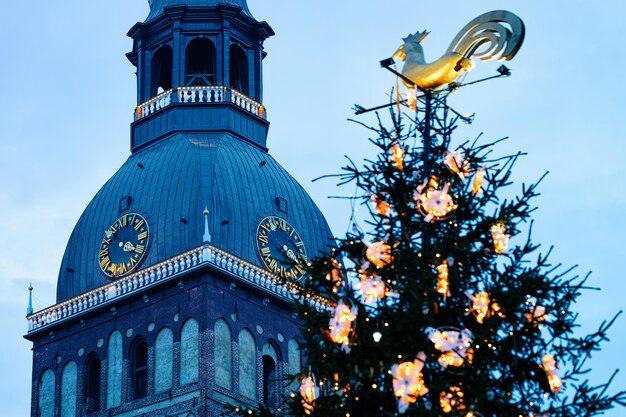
column 163, row 318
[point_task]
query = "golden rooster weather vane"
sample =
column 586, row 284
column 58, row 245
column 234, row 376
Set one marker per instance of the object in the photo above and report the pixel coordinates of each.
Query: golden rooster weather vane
column 486, row 37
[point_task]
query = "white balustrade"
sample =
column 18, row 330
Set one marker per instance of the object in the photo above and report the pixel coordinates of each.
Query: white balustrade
column 205, row 94
column 247, row 103
column 200, row 95
column 155, row 104
column 172, row 267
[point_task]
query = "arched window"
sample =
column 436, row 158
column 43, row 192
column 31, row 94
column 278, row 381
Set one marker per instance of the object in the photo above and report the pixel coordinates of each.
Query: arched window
column 271, row 390
column 138, row 371
column 91, row 383
column 163, row 360
column 68, row 390
column 222, row 355
column 114, row 370
column 294, row 361
column 161, row 71
column 46, row 394
column 189, row 349
column 200, row 67
column 247, row 365
column 239, row 70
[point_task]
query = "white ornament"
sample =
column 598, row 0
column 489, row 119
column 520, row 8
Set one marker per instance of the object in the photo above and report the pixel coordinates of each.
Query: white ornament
column 309, row 392
column 408, row 382
column 432, row 202
column 455, row 162
column 549, row 365
column 378, row 253
column 454, row 344
column 500, row 238
column 340, row 325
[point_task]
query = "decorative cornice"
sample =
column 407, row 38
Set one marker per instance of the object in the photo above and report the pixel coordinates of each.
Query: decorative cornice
column 206, row 255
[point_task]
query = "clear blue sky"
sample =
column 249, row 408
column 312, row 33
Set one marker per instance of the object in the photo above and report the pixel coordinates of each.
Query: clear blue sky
column 68, row 94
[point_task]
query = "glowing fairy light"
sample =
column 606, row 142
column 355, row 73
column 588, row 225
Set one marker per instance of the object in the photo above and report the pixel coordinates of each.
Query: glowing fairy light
column 309, row 392
column 397, row 155
column 378, row 253
column 455, row 162
column 549, row 366
column 408, row 382
column 340, row 325
column 443, row 283
column 432, row 202
column 500, row 238
column 455, row 346
column 483, row 307
column 451, row 400
column 382, row 207
column 479, row 179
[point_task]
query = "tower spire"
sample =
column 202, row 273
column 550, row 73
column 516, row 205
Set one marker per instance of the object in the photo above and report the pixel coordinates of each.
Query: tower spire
column 207, row 235
column 29, row 310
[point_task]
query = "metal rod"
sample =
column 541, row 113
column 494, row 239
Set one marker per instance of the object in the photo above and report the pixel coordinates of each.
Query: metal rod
column 362, row 110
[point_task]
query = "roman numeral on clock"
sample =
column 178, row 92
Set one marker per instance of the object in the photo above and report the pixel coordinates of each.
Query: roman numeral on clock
column 104, row 262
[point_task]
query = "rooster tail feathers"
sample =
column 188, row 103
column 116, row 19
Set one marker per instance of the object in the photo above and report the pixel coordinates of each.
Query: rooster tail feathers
column 486, row 37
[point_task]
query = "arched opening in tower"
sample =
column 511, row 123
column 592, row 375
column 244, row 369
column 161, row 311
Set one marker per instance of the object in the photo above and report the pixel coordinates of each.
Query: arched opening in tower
column 161, row 71
column 91, row 384
column 139, row 369
column 270, row 382
column 239, row 70
column 200, row 67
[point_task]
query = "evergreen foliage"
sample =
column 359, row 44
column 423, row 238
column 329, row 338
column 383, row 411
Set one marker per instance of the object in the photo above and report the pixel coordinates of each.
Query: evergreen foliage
column 529, row 308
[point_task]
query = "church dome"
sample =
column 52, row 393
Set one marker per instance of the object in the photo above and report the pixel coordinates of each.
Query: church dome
column 157, row 6
column 169, row 184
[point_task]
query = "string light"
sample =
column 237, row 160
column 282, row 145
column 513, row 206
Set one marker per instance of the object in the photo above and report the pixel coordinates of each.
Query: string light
column 340, row 325
column 479, row 178
column 382, row 207
column 549, row 365
column 483, row 307
column 433, row 203
column 378, row 253
column 372, row 288
column 455, row 345
column 452, row 400
column 443, row 284
column 397, row 155
column 309, row 392
column 408, row 382
column 411, row 98
column 456, row 163
column 500, row 238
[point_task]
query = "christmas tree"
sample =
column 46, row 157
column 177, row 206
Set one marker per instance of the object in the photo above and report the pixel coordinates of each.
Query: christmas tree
column 440, row 304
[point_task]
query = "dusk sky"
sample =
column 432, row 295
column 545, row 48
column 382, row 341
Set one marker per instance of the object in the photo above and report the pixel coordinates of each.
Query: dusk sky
column 68, row 94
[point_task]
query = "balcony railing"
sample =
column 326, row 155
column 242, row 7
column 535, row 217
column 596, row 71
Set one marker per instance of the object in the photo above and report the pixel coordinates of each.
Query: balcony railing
column 199, row 95
column 168, row 270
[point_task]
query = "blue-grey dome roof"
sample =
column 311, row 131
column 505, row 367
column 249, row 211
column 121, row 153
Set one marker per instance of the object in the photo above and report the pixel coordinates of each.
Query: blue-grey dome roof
column 170, row 183
column 156, row 6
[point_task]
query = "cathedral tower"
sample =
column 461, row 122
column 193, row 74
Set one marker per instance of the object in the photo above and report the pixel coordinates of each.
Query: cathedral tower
column 174, row 294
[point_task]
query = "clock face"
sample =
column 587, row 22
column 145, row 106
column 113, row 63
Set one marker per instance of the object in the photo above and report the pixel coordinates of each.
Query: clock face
column 281, row 248
column 123, row 245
